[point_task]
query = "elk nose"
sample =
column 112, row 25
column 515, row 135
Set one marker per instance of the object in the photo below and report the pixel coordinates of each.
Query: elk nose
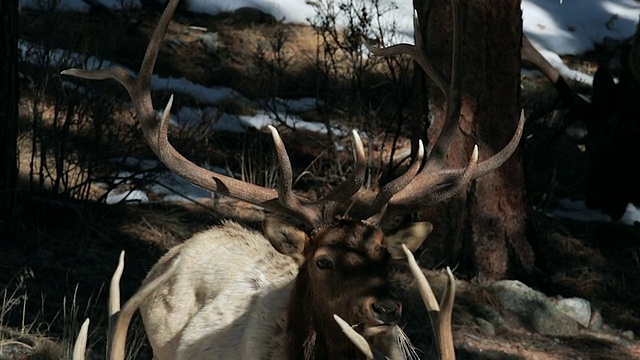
column 386, row 311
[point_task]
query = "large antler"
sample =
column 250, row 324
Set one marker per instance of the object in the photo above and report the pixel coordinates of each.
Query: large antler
column 433, row 183
column 119, row 318
column 314, row 213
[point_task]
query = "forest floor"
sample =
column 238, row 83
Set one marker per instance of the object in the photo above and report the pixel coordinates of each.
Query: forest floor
column 56, row 272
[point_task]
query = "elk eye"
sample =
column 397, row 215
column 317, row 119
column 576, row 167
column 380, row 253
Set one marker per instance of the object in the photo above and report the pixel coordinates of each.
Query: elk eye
column 324, row 264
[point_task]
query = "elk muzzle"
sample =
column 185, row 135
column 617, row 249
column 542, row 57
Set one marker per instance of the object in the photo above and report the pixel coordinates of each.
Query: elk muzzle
column 387, row 312
column 381, row 315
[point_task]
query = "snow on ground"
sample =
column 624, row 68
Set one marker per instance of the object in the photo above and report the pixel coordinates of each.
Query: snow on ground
column 572, row 27
column 561, row 26
column 555, row 27
column 578, row 210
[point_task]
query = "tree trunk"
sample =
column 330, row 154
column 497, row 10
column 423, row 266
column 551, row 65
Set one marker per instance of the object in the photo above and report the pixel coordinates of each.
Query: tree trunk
column 482, row 232
column 8, row 114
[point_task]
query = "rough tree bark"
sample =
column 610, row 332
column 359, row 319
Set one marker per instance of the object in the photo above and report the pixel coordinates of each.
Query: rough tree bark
column 483, row 232
column 9, row 96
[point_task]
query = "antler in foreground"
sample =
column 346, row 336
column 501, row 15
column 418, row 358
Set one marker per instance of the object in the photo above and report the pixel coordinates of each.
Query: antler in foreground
column 439, row 314
column 119, row 318
column 80, row 346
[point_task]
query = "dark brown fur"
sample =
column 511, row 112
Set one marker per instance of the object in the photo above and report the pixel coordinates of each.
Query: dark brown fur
column 359, row 276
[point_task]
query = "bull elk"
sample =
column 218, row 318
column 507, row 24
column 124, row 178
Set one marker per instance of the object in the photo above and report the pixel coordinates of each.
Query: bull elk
column 119, row 318
column 239, row 294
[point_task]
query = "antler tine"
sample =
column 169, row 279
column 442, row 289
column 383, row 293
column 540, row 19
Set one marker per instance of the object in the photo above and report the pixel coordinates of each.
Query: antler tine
column 114, row 287
column 285, row 181
column 114, row 298
column 444, row 336
column 328, row 205
column 378, row 207
column 114, row 301
column 439, row 314
column 119, row 321
column 317, row 213
column 358, row 340
column 417, row 53
column 428, row 189
column 80, row 346
column 424, row 288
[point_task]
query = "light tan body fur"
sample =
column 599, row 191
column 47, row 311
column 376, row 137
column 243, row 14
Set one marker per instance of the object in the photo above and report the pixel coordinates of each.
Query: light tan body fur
column 227, row 301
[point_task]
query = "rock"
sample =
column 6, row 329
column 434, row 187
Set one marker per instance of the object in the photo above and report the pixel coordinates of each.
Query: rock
column 490, row 314
column 486, row 328
column 577, row 308
column 629, row 335
column 596, row 320
column 532, row 309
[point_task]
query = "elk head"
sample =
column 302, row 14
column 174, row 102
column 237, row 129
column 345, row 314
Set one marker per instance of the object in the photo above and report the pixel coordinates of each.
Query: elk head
column 439, row 314
column 343, row 262
column 343, row 270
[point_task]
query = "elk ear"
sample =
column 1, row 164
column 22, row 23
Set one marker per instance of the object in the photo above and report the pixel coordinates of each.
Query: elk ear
column 411, row 235
column 286, row 238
